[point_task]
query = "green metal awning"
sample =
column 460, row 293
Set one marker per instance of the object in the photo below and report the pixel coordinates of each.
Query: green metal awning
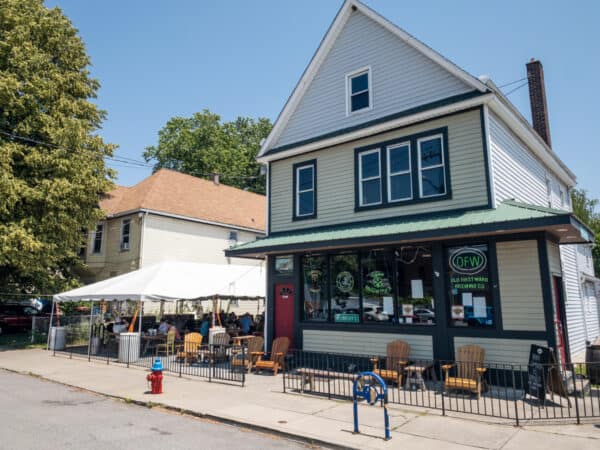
column 509, row 217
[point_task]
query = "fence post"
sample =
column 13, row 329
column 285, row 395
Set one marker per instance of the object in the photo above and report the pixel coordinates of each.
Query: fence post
column 180, row 363
column 515, row 395
column 210, row 361
column 244, row 367
column 443, row 389
column 575, row 396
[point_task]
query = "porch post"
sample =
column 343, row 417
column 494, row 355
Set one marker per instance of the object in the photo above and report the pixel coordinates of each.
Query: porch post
column 141, row 316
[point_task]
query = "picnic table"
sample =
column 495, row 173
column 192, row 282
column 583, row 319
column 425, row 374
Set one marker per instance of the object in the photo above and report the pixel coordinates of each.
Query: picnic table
column 307, row 376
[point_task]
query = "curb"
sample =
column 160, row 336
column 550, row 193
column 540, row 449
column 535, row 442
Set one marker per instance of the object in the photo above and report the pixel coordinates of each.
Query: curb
column 186, row 412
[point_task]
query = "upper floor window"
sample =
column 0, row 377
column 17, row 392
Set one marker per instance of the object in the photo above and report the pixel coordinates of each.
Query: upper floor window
column 358, row 90
column 97, row 248
column 432, row 173
column 125, row 232
column 399, row 172
column 369, row 173
column 305, row 190
column 403, row 171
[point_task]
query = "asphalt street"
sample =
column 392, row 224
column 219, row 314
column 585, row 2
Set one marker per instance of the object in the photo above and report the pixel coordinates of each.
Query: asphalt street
column 38, row 414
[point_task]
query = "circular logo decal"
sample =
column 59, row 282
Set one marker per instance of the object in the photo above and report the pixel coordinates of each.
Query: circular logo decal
column 344, row 282
column 468, row 261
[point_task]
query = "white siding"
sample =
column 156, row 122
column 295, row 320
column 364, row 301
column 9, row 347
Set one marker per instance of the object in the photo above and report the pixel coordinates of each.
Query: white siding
column 501, row 351
column 166, row 238
column 576, row 326
column 402, row 78
column 585, row 261
column 359, row 343
column 518, row 174
column 335, row 177
column 521, row 296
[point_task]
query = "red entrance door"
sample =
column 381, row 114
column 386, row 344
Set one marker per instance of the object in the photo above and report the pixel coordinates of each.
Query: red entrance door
column 560, row 332
column 284, row 311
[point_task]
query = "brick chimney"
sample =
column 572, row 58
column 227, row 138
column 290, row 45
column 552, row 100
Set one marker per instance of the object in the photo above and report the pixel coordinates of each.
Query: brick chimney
column 537, row 99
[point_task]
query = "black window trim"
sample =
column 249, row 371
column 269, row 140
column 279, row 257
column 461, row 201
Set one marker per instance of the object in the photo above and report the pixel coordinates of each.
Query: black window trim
column 295, row 168
column 415, row 170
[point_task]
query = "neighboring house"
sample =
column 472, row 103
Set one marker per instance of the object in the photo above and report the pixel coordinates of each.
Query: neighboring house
column 410, row 200
column 172, row 216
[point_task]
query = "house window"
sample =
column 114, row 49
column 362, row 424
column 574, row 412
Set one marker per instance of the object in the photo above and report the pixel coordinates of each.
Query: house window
column 399, row 173
column 377, row 289
column 305, row 188
column 432, row 173
column 98, row 238
column 414, row 280
column 345, row 294
column 125, row 230
column 233, row 237
column 471, row 303
column 369, row 170
column 315, row 287
column 358, row 91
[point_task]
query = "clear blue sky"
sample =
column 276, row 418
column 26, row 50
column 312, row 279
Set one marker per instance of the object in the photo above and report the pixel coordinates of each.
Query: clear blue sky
column 158, row 59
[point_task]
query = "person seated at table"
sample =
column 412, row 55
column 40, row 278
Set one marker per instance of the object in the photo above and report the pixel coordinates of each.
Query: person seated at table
column 163, row 327
column 204, row 326
column 173, row 328
column 246, row 323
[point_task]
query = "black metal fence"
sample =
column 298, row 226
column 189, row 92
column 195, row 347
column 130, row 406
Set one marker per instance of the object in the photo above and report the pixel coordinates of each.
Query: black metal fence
column 515, row 392
column 210, row 362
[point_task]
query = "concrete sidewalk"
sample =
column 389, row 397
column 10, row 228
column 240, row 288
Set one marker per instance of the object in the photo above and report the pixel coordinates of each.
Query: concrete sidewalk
column 262, row 404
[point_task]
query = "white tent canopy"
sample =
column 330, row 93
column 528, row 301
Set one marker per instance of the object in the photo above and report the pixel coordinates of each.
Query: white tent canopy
column 172, row 281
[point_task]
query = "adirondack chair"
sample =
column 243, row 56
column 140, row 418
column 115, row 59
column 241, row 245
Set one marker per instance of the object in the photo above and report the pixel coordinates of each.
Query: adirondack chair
column 168, row 347
column 275, row 362
column 397, row 354
column 217, row 351
column 189, row 350
column 247, row 358
column 469, row 370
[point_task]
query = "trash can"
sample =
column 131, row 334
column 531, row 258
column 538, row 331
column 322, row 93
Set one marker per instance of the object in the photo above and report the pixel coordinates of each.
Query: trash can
column 592, row 362
column 129, row 347
column 58, row 338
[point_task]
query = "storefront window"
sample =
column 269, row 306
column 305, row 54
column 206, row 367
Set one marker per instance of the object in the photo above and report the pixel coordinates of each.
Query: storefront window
column 415, row 285
column 377, row 290
column 345, row 295
column 315, row 286
column 471, row 302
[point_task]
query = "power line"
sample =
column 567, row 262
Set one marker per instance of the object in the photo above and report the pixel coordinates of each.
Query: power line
column 512, row 82
column 124, row 160
column 516, row 89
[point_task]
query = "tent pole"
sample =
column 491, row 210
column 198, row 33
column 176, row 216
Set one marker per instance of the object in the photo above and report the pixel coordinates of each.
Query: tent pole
column 91, row 330
column 50, row 325
column 140, row 317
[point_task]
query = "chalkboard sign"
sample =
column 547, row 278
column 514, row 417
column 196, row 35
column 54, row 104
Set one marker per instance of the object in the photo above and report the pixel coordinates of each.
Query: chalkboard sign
column 538, row 371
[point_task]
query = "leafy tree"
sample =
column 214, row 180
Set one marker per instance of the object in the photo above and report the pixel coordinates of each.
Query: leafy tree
column 52, row 168
column 202, row 145
column 585, row 209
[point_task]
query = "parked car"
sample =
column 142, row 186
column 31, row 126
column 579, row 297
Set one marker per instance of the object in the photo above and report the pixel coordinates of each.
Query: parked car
column 16, row 317
column 424, row 314
column 376, row 314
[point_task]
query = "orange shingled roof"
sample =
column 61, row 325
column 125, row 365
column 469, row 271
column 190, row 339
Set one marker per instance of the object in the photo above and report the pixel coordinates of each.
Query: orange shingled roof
column 173, row 192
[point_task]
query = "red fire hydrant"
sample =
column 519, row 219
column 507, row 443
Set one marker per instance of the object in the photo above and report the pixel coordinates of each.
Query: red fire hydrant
column 155, row 378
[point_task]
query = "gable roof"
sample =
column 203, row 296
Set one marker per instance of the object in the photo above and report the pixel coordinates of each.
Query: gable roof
column 174, row 193
column 325, row 46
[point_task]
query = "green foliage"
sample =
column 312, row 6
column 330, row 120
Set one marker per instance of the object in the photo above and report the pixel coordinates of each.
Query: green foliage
column 48, row 193
column 585, row 209
column 202, row 144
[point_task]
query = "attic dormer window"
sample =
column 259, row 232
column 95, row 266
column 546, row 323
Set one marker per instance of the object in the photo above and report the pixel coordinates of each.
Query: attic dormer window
column 358, row 91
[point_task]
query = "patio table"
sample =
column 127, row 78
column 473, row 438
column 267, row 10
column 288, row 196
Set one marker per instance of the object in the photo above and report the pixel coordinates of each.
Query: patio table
column 414, row 374
column 151, row 342
column 241, row 340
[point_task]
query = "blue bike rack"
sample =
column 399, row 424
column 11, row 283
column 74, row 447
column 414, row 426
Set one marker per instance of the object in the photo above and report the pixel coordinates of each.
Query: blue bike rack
column 372, row 389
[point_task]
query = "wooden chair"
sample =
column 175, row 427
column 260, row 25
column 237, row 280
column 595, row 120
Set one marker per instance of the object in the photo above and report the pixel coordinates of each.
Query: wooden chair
column 397, row 357
column 191, row 344
column 250, row 354
column 217, row 351
column 275, row 362
column 469, row 370
column 167, row 347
